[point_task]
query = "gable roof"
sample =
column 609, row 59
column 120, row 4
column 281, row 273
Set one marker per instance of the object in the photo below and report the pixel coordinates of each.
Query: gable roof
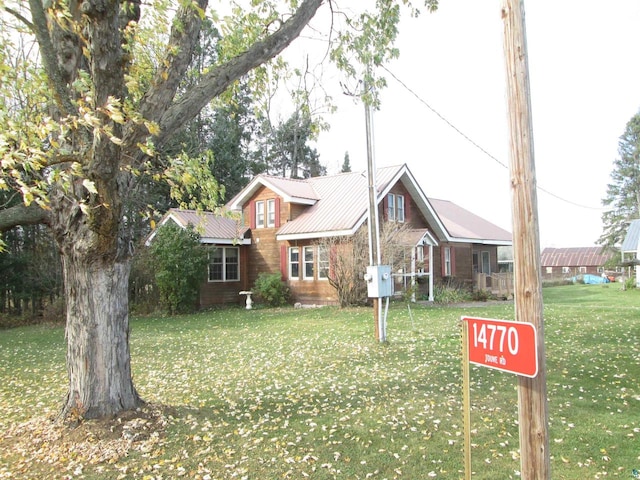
column 574, row 257
column 290, row 189
column 338, row 205
column 465, row 226
column 212, row 227
column 631, row 241
column 342, row 205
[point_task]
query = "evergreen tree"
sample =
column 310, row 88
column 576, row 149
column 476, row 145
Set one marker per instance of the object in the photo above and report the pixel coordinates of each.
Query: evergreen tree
column 623, row 193
column 346, row 165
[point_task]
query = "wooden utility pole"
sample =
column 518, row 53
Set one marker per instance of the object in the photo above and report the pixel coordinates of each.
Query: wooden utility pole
column 532, row 392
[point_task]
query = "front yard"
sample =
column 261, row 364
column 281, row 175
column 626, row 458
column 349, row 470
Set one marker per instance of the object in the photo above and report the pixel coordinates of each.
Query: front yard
column 308, row 393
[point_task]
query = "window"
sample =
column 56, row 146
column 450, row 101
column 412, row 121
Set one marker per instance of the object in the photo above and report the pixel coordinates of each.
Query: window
column 307, row 253
column 566, row 270
column 447, row 261
column 294, row 262
column 391, row 207
column 395, row 208
column 224, row 264
column 486, row 263
column 583, row 269
column 271, row 213
column 323, row 262
column 420, row 263
column 549, row 270
column 400, row 208
column 260, row 214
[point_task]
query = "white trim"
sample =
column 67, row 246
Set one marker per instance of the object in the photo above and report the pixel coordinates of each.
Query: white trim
column 258, row 181
column 225, row 241
column 304, row 262
column 291, row 277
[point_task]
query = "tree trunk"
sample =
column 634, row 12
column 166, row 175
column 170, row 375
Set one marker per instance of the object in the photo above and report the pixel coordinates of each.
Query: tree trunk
column 98, row 359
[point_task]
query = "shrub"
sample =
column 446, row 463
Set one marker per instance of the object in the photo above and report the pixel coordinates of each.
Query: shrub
column 271, row 289
column 450, row 291
column 180, row 267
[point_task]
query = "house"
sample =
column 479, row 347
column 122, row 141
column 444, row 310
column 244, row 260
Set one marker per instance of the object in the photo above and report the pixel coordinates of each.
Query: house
column 630, row 248
column 569, row 262
column 282, row 224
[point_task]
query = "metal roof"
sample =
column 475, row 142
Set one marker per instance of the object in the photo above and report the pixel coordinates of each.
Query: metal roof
column 290, row 189
column 343, row 202
column 464, row 225
column 574, row 257
column 213, row 228
column 631, row 241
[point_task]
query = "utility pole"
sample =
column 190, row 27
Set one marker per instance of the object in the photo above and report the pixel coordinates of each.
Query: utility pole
column 532, row 392
column 378, row 277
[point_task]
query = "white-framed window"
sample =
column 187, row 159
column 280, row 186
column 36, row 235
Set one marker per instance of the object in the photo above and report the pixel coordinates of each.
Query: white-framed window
column 583, row 269
column 400, row 208
column 447, row 261
column 323, row 262
column 395, row 208
column 294, row 262
column 549, row 270
column 224, row 264
column 391, row 207
column 566, row 270
column 308, row 262
column 260, row 214
column 271, row 213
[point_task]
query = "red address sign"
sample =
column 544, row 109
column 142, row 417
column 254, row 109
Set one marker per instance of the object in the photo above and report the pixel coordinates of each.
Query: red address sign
column 503, row 345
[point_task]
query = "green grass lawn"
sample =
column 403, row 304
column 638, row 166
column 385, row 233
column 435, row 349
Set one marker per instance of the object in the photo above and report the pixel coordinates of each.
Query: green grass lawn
column 308, row 393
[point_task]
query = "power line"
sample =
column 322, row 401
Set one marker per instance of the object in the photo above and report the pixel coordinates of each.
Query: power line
column 476, row 145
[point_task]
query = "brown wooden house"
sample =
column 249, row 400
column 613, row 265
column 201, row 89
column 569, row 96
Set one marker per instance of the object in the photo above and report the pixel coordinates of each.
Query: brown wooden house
column 282, row 223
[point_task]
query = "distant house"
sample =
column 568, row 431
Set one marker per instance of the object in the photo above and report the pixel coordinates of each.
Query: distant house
column 569, row 262
column 281, row 223
column 630, row 248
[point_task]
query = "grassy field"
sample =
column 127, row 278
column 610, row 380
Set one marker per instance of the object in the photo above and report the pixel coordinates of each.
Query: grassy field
column 308, row 393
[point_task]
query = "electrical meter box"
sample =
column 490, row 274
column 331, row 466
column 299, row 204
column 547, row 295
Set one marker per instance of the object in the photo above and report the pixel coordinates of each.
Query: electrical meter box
column 379, row 281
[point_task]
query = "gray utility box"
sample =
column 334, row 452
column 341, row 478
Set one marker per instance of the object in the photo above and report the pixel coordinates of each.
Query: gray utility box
column 379, row 281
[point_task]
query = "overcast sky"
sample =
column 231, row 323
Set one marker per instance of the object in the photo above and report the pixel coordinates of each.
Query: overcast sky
column 585, row 86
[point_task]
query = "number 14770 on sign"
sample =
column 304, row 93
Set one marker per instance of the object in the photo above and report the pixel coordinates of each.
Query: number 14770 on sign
column 503, row 345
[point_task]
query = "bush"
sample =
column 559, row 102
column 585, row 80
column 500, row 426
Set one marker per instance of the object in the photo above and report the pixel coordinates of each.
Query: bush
column 271, row 289
column 450, row 291
column 180, row 267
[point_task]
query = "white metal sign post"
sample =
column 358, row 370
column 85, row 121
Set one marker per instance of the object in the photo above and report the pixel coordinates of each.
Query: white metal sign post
column 502, row 345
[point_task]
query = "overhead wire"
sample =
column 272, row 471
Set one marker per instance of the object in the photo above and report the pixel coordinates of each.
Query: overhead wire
column 476, row 145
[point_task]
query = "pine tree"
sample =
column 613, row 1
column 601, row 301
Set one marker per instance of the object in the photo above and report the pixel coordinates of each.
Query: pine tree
column 346, row 165
column 623, row 193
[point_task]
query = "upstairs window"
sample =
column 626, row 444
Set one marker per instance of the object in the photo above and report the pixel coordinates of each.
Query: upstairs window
column 260, row 214
column 391, row 207
column 395, row 208
column 271, row 213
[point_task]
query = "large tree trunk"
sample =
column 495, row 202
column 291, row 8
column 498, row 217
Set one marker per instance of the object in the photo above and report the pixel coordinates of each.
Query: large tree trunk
column 98, row 360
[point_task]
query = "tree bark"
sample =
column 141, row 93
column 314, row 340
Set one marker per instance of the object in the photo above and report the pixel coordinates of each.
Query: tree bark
column 98, row 357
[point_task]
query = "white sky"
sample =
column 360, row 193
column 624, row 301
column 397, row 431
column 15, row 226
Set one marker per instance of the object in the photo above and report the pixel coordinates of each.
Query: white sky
column 585, row 86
